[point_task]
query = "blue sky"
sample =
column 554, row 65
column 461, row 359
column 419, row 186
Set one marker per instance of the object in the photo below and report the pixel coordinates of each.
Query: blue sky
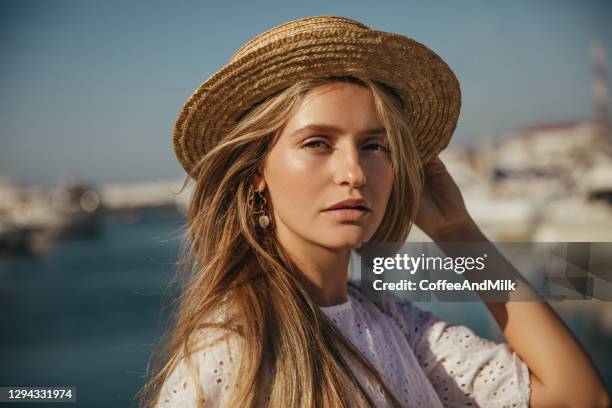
column 93, row 88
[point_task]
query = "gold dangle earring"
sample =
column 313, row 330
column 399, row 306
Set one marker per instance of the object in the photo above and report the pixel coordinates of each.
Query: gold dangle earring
column 263, row 220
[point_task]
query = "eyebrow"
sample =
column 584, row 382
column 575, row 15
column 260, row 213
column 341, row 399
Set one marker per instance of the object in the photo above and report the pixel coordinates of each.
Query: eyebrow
column 318, row 127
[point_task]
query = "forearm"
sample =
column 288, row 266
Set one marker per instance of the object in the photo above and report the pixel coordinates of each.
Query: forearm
column 562, row 373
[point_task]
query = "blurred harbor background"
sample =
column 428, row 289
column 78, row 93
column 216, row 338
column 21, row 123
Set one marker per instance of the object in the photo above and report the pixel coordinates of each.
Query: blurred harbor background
column 90, row 209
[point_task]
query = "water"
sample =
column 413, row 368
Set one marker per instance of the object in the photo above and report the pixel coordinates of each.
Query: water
column 86, row 313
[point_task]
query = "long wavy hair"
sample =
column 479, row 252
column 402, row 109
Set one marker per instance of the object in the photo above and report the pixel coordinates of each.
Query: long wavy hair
column 291, row 354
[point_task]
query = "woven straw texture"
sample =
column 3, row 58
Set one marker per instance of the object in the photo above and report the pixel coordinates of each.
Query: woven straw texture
column 320, row 47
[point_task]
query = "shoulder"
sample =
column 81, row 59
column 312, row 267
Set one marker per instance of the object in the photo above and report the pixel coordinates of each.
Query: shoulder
column 412, row 321
column 206, row 374
column 390, row 305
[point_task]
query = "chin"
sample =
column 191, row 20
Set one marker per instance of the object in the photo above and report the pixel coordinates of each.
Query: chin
column 347, row 242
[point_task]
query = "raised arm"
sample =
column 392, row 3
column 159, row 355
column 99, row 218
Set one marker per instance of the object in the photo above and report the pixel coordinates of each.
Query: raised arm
column 562, row 374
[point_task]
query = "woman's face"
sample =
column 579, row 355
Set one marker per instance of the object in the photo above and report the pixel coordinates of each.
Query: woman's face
column 333, row 148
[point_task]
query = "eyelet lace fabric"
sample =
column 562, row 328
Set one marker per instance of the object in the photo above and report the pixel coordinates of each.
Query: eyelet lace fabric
column 425, row 361
column 214, row 368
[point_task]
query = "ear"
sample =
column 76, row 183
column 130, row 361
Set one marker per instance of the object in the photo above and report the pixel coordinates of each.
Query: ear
column 259, row 180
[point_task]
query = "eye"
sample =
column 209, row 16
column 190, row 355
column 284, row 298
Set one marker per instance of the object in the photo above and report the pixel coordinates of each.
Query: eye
column 315, row 144
column 376, row 146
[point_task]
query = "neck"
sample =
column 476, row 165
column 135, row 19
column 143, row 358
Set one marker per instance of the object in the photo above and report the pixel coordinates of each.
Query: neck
column 325, row 270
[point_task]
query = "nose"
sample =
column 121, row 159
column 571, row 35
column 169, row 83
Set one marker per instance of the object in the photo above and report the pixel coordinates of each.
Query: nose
column 349, row 169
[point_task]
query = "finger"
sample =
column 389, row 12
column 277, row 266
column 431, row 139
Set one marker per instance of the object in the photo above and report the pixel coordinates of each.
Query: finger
column 435, row 167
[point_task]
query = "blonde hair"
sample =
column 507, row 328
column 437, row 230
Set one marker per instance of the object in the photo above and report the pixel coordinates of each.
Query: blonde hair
column 284, row 337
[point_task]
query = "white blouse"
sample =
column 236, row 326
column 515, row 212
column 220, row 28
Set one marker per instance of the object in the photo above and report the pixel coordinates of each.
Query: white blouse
column 425, row 361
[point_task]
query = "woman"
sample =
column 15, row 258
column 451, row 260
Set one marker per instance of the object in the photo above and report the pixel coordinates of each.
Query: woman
column 318, row 136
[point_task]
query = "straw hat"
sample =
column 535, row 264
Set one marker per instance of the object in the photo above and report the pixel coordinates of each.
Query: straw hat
column 320, row 47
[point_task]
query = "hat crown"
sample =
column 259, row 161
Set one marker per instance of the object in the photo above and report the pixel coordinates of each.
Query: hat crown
column 318, row 23
column 318, row 47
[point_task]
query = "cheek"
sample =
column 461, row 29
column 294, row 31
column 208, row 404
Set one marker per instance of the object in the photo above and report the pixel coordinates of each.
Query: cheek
column 381, row 179
column 381, row 189
column 293, row 181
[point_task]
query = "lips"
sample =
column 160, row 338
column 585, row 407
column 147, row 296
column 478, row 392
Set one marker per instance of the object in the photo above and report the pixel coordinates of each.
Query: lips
column 349, row 210
column 348, row 214
column 350, row 204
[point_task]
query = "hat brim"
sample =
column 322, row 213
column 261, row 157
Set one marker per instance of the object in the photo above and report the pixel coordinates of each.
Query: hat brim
column 426, row 84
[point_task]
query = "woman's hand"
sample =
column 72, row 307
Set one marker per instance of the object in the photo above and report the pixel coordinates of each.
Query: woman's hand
column 442, row 211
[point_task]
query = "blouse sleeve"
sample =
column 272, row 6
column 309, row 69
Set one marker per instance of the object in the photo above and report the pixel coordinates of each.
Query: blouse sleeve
column 464, row 369
column 214, row 366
